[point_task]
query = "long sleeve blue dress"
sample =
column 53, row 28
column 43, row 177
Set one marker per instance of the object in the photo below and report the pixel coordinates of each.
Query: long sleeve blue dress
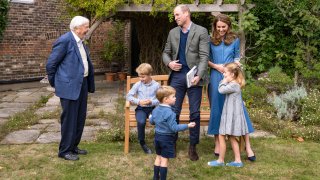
column 221, row 54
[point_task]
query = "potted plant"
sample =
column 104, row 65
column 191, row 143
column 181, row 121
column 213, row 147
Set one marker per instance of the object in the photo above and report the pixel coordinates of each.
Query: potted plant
column 114, row 50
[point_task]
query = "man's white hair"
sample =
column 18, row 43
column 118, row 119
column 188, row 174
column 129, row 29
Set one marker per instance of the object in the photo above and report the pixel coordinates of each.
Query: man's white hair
column 78, row 21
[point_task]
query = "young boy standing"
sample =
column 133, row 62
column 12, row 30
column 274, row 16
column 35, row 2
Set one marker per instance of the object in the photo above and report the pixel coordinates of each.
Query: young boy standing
column 166, row 128
column 143, row 94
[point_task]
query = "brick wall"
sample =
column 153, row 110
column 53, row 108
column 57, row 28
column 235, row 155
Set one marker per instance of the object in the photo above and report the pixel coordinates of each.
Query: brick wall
column 28, row 38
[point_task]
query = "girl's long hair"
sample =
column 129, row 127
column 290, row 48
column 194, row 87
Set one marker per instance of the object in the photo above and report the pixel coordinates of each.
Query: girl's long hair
column 229, row 36
column 238, row 73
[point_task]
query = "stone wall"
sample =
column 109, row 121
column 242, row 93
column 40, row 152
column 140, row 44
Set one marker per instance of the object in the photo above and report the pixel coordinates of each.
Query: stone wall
column 28, row 38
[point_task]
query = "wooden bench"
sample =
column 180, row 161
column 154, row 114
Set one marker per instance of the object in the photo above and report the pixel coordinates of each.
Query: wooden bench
column 130, row 120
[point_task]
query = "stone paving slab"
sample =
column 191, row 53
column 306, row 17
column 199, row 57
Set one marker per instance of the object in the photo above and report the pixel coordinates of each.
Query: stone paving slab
column 27, row 99
column 13, row 105
column 25, row 93
column 21, row 137
column 3, row 121
column 48, row 121
column 46, row 109
column 7, row 112
column 9, row 98
column 56, row 127
column 89, row 128
column 40, row 127
column 49, row 137
column 53, row 101
column 97, row 122
column 260, row 133
column 88, row 135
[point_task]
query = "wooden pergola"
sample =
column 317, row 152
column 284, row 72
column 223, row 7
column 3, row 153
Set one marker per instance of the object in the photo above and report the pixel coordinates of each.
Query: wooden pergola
column 215, row 8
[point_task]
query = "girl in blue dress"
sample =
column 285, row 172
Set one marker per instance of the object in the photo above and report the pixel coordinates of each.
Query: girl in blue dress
column 224, row 48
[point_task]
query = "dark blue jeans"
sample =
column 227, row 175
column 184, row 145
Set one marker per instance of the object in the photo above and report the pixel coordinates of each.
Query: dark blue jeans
column 142, row 114
column 178, row 82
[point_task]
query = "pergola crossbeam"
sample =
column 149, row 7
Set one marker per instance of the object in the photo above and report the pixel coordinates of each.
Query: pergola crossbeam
column 192, row 7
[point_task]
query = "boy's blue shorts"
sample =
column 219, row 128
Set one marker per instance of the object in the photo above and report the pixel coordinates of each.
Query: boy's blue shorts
column 164, row 145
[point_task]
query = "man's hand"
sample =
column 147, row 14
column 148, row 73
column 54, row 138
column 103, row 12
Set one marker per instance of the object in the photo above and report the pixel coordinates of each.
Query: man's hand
column 195, row 80
column 174, row 65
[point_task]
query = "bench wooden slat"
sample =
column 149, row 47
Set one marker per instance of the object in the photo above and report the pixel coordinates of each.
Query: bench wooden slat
column 130, row 120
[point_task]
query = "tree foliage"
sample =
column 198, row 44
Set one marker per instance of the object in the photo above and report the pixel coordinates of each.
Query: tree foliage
column 288, row 36
column 4, row 8
column 93, row 9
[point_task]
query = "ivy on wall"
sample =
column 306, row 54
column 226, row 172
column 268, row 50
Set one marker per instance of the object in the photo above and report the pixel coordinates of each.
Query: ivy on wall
column 4, row 8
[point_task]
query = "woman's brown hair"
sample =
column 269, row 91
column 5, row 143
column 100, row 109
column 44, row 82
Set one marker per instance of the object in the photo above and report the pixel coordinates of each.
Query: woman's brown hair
column 229, row 36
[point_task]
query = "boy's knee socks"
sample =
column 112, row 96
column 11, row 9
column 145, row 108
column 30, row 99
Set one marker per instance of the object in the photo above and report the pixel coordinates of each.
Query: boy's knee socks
column 163, row 173
column 156, row 170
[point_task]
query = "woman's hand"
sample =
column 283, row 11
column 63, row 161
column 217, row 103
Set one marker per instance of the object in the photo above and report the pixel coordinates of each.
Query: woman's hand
column 238, row 63
column 218, row 67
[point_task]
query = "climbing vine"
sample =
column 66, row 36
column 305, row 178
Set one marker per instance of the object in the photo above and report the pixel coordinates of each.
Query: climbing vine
column 4, row 8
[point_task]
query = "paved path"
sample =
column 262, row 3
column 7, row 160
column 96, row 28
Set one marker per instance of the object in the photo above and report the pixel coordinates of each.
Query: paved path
column 48, row 130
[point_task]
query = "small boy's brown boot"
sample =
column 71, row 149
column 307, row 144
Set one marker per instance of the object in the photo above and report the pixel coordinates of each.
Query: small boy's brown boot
column 193, row 155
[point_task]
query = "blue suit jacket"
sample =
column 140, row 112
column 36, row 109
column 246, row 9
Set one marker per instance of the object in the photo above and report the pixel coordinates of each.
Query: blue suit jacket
column 65, row 68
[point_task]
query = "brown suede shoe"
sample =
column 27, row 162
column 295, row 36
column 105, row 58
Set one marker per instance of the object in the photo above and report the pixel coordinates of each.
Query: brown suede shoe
column 193, row 155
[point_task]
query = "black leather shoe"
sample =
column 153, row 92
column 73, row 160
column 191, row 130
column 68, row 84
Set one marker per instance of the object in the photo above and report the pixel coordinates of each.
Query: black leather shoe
column 70, row 157
column 146, row 149
column 252, row 158
column 80, row 151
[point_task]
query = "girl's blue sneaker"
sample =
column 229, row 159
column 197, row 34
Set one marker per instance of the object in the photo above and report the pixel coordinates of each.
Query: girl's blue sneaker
column 235, row 164
column 215, row 163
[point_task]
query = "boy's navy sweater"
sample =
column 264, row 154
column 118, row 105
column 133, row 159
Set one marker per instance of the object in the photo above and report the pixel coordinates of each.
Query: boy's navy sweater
column 165, row 121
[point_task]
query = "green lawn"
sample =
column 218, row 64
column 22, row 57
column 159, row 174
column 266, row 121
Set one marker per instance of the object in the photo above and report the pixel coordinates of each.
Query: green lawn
column 276, row 159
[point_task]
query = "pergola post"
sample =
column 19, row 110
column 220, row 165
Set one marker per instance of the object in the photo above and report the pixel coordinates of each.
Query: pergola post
column 241, row 31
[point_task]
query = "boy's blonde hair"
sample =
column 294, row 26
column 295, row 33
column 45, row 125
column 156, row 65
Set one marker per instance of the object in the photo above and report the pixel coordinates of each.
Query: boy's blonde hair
column 144, row 69
column 238, row 73
column 164, row 91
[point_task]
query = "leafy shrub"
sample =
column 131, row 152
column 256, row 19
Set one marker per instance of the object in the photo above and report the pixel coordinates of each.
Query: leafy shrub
column 264, row 119
column 4, row 8
column 276, row 80
column 310, row 114
column 254, row 95
column 288, row 105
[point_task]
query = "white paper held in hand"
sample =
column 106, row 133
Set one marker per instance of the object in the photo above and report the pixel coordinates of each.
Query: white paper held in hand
column 190, row 75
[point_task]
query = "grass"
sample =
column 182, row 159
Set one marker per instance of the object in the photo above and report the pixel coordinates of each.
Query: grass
column 276, row 159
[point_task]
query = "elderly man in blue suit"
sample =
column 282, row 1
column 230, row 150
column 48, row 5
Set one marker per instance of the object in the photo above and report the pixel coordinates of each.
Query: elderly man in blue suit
column 187, row 46
column 70, row 72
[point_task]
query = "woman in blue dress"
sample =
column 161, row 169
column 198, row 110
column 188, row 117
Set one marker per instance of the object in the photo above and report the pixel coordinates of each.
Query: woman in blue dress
column 224, row 48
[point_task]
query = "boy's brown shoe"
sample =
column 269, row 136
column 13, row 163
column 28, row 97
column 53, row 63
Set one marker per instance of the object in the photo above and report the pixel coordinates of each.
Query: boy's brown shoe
column 193, row 155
